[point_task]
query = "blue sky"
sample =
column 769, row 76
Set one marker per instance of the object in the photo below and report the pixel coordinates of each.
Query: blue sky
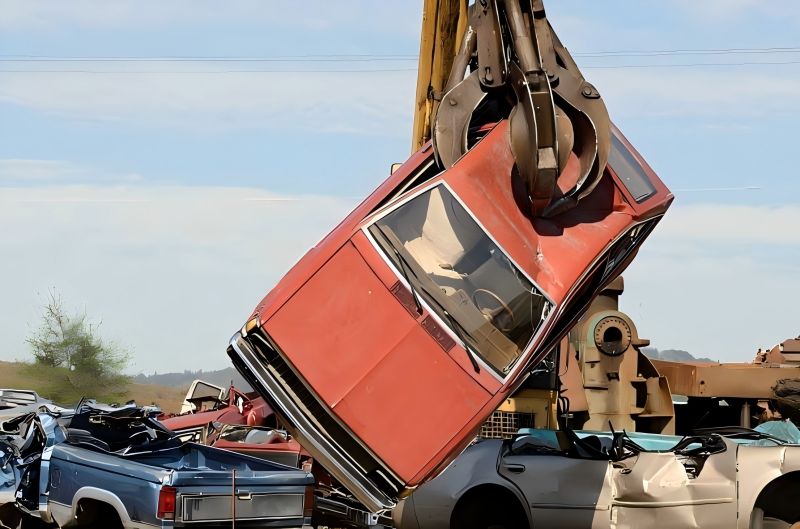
column 166, row 198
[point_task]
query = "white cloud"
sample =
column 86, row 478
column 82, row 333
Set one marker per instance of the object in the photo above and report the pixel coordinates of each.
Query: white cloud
column 36, row 170
column 718, row 281
column 315, row 14
column 171, row 271
column 368, row 103
column 376, row 103
column 33, row 172
column 734, row 224
column 726, row 10
column 722, row 92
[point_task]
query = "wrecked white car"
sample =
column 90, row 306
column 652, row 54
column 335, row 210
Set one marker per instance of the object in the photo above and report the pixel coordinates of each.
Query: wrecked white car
column 602, row 480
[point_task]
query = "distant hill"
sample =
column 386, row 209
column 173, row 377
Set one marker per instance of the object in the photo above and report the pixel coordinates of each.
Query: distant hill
column 221, row 377
column 673, row 355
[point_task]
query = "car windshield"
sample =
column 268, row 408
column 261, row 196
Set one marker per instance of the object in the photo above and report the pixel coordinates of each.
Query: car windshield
column 459, row 270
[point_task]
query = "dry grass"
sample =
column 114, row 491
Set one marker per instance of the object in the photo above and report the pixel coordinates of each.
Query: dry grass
column 15, row 375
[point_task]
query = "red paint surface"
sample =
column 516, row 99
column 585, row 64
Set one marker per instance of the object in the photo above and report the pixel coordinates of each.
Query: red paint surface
column 255, row 412
column 369, row 359
column 415, row 392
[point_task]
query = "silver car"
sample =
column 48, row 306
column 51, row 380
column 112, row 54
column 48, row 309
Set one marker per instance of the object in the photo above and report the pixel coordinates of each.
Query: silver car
column 602, row 480
column 16, row 402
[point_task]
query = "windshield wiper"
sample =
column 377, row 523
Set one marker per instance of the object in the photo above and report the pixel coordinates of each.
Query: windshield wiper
column 467, row 347
column 404, row 268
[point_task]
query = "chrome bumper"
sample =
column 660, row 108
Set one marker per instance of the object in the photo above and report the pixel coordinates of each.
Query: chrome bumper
column 321, row 447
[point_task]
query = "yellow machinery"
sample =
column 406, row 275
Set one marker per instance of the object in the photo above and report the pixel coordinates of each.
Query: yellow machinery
column 443, row 25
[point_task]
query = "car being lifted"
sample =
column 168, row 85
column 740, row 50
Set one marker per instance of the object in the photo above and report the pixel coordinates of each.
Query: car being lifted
column 386, row 347
column 420, row 311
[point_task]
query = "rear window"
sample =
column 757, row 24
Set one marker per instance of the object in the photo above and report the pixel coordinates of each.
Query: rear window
column 630, row 171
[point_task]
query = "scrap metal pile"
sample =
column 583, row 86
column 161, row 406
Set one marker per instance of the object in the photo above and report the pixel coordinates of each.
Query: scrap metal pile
column 103, row 467
column 420, row 312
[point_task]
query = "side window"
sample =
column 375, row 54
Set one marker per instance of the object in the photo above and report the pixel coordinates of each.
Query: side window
column 205, row 390
column 630, row 171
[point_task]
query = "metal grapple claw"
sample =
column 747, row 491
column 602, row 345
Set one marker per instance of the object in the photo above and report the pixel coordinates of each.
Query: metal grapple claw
column 518, row 69
column 451, row 126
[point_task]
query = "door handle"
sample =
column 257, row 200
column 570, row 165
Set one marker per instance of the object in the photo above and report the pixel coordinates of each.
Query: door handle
column 514, row 468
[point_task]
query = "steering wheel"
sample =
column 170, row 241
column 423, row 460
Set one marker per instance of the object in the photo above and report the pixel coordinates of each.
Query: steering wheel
column 493, row 314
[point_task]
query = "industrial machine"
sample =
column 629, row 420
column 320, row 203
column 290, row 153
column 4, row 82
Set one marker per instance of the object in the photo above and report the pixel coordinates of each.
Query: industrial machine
column 597, row 376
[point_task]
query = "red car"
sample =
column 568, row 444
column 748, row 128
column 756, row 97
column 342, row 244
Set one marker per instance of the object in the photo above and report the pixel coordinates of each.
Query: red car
column 206, row 403
column 388, row 344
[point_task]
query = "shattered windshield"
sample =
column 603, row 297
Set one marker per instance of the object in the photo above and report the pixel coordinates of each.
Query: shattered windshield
column 459, row 270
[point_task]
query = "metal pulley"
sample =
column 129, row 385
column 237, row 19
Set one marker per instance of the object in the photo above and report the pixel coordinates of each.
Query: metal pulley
column 512, row 65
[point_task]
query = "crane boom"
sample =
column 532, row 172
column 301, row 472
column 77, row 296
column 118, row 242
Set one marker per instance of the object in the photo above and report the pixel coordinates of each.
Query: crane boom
column 443, row 25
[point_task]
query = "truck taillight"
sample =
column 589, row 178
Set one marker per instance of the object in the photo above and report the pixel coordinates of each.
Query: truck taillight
column 308, row 502
column 166, row 503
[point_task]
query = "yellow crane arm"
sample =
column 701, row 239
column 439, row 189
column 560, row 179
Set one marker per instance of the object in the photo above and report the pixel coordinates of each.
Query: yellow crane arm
column 443, row 25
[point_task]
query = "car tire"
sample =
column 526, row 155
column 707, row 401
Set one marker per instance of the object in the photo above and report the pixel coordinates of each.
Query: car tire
column 97, row 515
column 491, row 509
column 29, row 522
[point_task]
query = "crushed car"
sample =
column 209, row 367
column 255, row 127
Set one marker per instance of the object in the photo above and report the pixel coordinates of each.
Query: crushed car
column 104, row 467
column 15, row 402
column 206, row 403
column 22, row 397
column 613, row 480
column 334, row 506
column 271, row 444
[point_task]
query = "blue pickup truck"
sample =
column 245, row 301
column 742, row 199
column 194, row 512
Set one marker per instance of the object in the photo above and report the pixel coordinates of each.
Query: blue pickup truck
column 112, row 468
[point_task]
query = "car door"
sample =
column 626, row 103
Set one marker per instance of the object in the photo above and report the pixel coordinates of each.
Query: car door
column 666, row 489
column 562, row 492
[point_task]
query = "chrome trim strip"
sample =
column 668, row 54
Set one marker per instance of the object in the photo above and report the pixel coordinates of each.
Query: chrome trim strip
column 679, row 503
column 262, row 336
column 310, row 437
column 266, row 517
column 598, row 507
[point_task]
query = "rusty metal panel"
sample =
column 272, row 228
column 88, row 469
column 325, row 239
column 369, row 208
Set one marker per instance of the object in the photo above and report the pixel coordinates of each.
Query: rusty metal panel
column 681, row 376
column 748, row 381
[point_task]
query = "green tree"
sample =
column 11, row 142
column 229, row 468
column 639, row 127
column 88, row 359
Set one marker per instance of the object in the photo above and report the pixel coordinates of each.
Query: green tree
column 69, row 353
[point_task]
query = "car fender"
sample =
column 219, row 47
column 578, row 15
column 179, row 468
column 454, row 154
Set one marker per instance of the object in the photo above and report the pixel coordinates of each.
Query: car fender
column 93, row 493
column 433, row 503
column 758, row 467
